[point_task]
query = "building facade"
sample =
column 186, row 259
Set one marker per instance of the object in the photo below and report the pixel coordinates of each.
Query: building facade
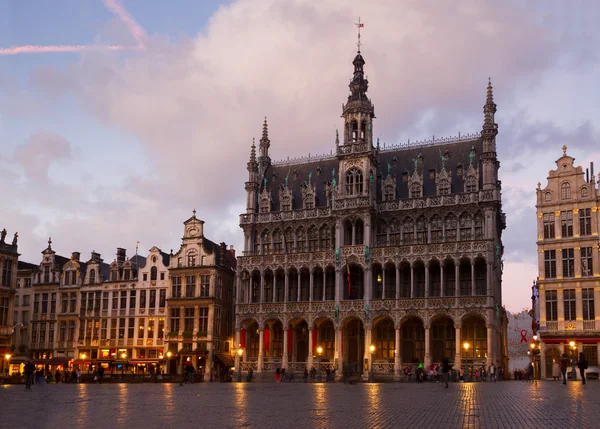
column 200, row 303
column 569, row 264
column 397, row 248
column 9, row 258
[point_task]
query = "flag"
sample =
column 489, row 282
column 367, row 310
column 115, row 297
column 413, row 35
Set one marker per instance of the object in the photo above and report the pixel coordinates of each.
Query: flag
column 348, row 268
column 361, row 25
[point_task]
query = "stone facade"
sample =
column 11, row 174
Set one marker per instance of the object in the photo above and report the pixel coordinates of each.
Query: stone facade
column 568, row 218
column 9, row 258
column 200, row 302
column 399, row 248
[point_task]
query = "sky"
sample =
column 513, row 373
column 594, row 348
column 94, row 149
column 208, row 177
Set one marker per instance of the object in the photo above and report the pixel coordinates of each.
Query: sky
column 119, row 117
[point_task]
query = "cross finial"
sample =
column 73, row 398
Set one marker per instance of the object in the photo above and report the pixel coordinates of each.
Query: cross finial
column 194, row 211
column 49, row 241
column 359, row 25
column 564, row 148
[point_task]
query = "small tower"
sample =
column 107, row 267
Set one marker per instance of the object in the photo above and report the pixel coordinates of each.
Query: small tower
column 264, row 161
column 490, row 164
column 252, row 183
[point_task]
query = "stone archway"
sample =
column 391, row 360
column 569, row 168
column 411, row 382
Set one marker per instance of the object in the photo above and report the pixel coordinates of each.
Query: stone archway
column 443, row 339
column 353, row 346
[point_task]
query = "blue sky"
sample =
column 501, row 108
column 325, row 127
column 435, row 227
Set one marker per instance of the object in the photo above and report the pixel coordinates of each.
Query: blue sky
column 102, row 148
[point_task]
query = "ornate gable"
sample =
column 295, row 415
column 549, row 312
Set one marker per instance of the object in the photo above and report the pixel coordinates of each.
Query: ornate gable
column 471, row 176
column 286, row 199
column 309, row 199
column 388, row 185
column 443, row 180
column 265, row 201
column 415, row 181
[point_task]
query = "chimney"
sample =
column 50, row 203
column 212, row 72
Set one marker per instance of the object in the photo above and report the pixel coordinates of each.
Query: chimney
column 232, row 251
column 587, row 175
column 121, row 255
column 592, row 168
column 75, row 256
column 96, row 257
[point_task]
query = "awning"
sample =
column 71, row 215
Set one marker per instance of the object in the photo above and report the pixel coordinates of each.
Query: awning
column 17, row 360
column 53, row 361
column 143, row 362
column 225, row 358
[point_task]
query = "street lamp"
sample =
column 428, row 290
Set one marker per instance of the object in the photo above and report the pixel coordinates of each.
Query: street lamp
column 466, row 346
column 123, row 355
column 372, row 350
column 573, row 371
column 240, row 352
column 319, row 352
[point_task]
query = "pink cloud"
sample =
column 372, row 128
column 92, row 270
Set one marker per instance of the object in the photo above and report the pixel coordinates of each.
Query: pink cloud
column 112, row 5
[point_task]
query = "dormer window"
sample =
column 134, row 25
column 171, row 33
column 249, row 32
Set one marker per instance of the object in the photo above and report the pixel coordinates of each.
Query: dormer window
column 127, row 274
column 354, row 182
column 191, row 262
column 114, row 275
column 153, row 273
column 584, row 192
column 415, row 190
column 444, row 188
column 565, row 191
column 548, row 196
column 179, row 262
column 92, row 277
column 471, row 185
column 388, row 194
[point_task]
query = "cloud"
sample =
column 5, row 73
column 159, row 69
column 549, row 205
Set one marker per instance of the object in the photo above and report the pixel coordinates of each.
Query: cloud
column 195, row 105
column 39, row 152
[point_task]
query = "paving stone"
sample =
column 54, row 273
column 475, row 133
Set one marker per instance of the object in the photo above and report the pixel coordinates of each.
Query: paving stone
column 502, row 405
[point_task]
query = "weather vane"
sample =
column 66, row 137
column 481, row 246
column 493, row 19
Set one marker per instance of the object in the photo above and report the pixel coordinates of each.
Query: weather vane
column 359, row 25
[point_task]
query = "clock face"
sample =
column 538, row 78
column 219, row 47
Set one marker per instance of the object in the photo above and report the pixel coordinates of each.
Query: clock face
column 192, row 231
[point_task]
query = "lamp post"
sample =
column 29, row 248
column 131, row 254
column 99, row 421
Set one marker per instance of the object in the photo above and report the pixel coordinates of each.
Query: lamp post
column 573, row 347
column 7, row 358
column 466, row 346
column 240, row 352
column 168, row 361
column 372, row 350
column 319, row 352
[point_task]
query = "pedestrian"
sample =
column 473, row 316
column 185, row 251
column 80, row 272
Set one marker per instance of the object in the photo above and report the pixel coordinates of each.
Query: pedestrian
column 445, row 370
column 582, row 365
column 564, row 363
column 461, row 375
column 278, row 375
column 305, row 375
column 492, row 373
column 57, row 376
column 555, row 370
column 29, row 370
column 100, row 373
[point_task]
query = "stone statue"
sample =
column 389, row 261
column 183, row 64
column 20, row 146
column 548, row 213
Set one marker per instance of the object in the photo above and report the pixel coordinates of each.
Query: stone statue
column 3, row 235
column 265, row 183
column 337, row 255
column 367, row 311
column 389, row 167
column 471, row 155
column 337, row 312
column 443, row 160
column 309, row 177
column 15, row 238
column 366, row 253
column 333, row 181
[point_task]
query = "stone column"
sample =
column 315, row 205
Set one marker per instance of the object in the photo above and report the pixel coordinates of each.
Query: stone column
column 368, row 284
column 196, row 319
column 324, row 282
column 473, row 278
column 367, row 354
column 286, row 286
column 490, row 346
column 237, row 345
column 310, row 350
column 298, row 287
column 427, row 360
column 458, row 351
column 490, row 280
column 442, row 294
column 338, row 352
column 261, row 345
column 338, row 286
column 426, row 280
column 412, row 281
column 383, row 282
column 311, row 284
column 397, row 353
column 262, row 288
column 457, row 280
column 238, row 287
column 397, row 282
column 284, row 358
column 578, row 309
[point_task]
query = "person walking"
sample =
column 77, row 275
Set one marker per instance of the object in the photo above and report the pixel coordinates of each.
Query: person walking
column 564, row 363
column 445, row 370
column 582, row 365
column 492, row 373
column 29, row 371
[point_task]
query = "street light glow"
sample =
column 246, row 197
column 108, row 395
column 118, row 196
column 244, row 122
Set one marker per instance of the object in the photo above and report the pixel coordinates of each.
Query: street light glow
column 372, row 348
column 240, row 352
column 7, row 356
column 82, row 355
column 169, row 354
column 535, row 337
column 466, row 346
column 123, row 355
column 319, row 350
column 572, row 343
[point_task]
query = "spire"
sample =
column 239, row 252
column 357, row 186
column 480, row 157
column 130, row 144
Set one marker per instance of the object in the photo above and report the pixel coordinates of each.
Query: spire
column 490, row 128
column 252, row 162
column 49, row 243
column 265, row 143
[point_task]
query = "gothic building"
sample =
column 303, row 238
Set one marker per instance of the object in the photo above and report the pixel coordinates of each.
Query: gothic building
column 398, row 248
column 568, row 221
column 9, row 258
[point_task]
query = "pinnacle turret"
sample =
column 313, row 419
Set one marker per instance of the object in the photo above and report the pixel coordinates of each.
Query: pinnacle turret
column 490, row 129
column 252, row 162
column 265, row 143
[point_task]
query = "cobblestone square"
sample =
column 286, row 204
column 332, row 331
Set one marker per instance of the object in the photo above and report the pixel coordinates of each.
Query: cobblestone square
column 298, row 405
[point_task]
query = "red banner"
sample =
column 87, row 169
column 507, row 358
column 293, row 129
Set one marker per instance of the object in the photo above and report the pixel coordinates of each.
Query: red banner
column 314, row 340
column 266, row 339
column 290, row 341
column 243, row 338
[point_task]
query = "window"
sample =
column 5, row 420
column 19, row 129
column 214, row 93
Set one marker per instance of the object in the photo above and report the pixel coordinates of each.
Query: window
column 569, row 301
column 161, row 327
column 590, row 353
column 113, row 329
column 203, row 259
column 313, row 239
column 385, row 342
column 217, row 323
column 388, row 193
column 142, row 299
column 123, row 299
column 73, row 303
column 162, row 276
column 145, row 276
column 36, row 303
column 585, row 221
column 151, row 327
column 549, row 228
column 204, row 285
column 548, row 196
column 152, row 303
column 565, row 191
column 415, row 190
column 153, row 274
column 408, row 231
column 62, row 331
column 51, row 333
column 584, row 192
column 450, row 225
column 550, row 264
column 203, row 319
column 132, row 299
column 568, row 257
column 115, row 300
column 176, row 287
column 436, row 229
column 141, row 328
column 190, row 286
column 105, row 300
column 354, row 182
column 188, row 321
column 53, row 303
column 103, row 329
column 26, row 299
column 566, row 223
column 131, row 328
column 277, row 241
column 44, row 303
column 465, row 226
column 444, row 188
column 191, row 261
column 551, row 306
column 587, row 296
column 175, row 315
column 27, row 282
column 6, row 273
column 46, row 274
column 92, row 277
column 421, row 230
column 162, row 298
column 3, row 311
column 179, row 262
column 586, row 262
column 64, row 302
column 126, row 274
column 286, row 204
column 114, row 275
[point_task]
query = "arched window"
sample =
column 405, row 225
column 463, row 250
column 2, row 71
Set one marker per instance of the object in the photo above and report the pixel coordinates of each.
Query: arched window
column 350, row 183
column 354, row 131
column 325, row 236
column 289, row 240
column 421, row 230
column 358, row 232
column 584, row 192
column 444, row 188
column 358, row 182
column 266, row 242
column 92, row 279
column 381, row 234
column 153, row 273
column 354, row 182
column 347, row 232
column 265, row 205
column 388, row 193
column 548, row 196
column 465, row 223
column 277, row 241
column 565, row 191
column 436, row 229
column 313, row 238
column 471, row 185
column 408, row 231
column 450, row 225
column 363, row 129
column 415, row 190
column 286, row 204
column 301, row 239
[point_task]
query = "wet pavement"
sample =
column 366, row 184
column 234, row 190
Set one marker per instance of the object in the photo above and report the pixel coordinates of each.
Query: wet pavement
column 297, row 405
